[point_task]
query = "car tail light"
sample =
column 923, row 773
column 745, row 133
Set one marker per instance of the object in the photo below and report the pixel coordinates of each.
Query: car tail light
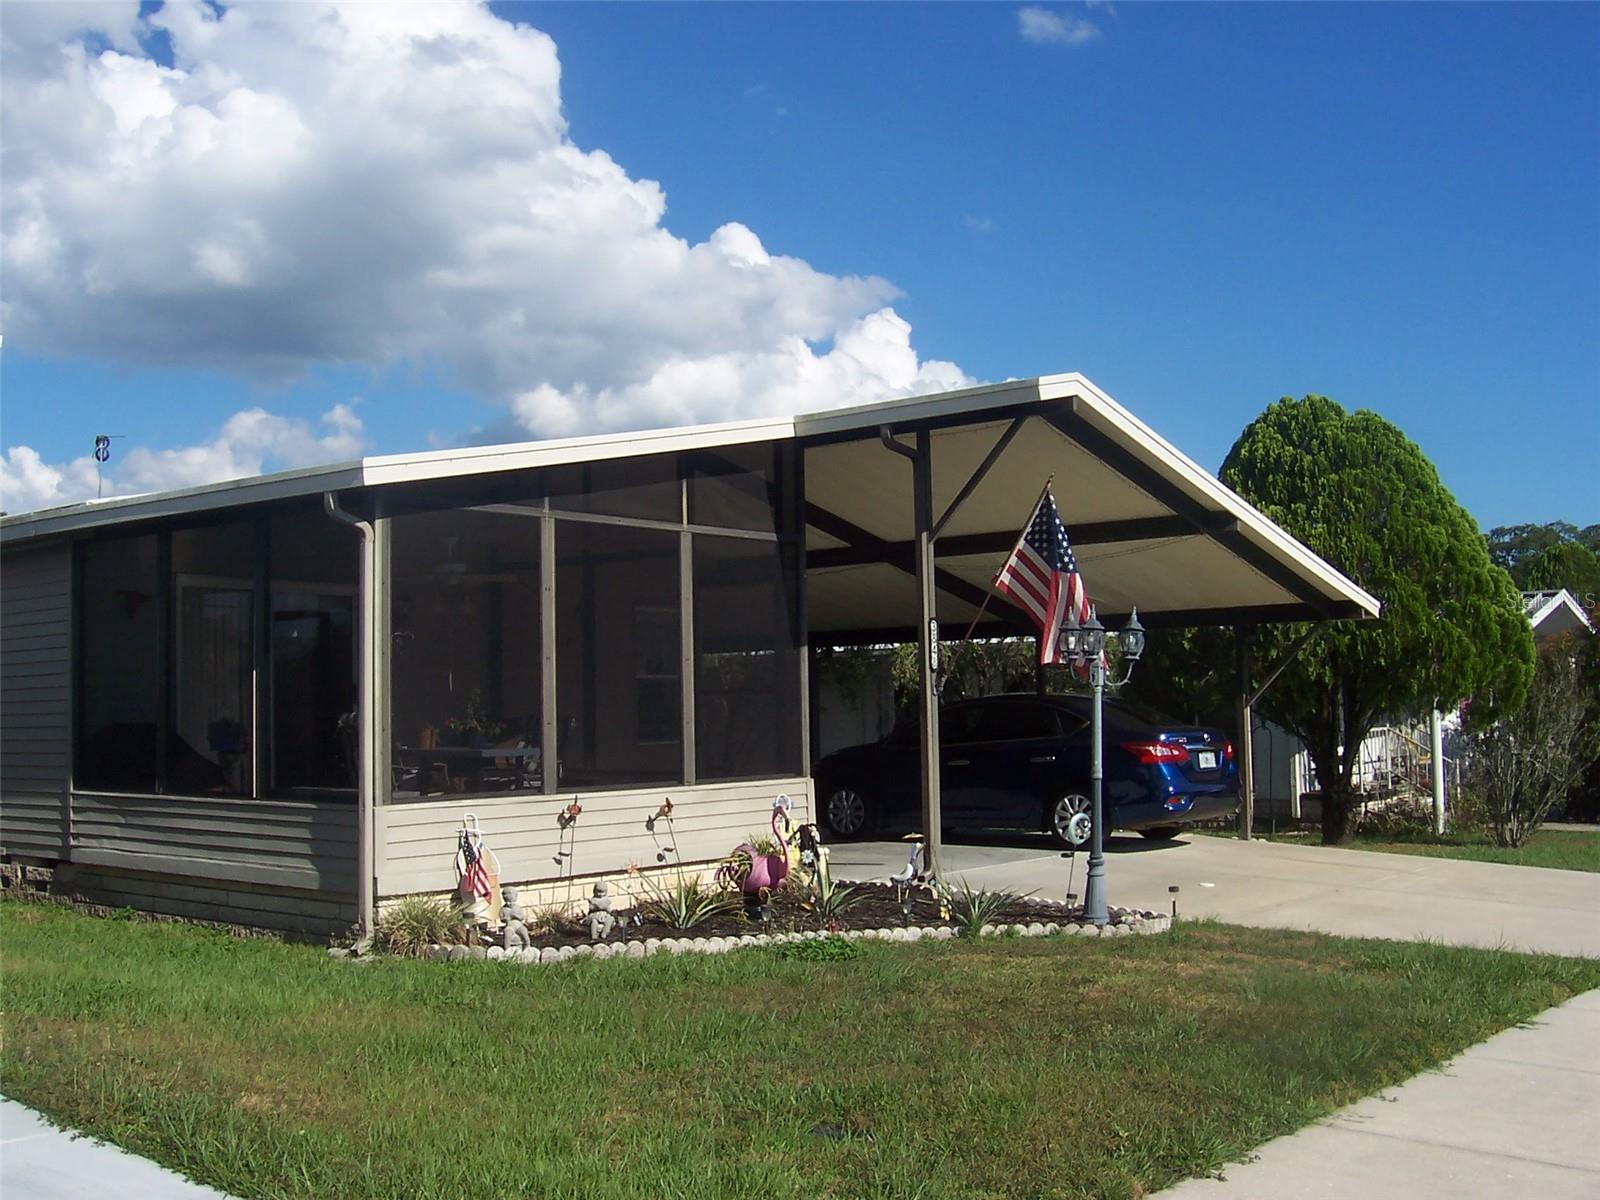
column 1157, row 752
column 1227, row 751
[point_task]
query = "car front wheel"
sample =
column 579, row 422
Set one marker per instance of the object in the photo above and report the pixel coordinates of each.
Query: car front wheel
column 846, row 814
column 1058, row 820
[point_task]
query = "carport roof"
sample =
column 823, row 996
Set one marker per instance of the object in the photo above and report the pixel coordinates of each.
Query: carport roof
column 1150, row 527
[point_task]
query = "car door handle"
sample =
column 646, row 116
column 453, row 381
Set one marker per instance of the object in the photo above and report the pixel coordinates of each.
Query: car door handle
column 959, row 762
column 1043, row 758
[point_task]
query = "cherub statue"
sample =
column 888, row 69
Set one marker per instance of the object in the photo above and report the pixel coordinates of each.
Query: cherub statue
column 516, row 930
column 601, row 922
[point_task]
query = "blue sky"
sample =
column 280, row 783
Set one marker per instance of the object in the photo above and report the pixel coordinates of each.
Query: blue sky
column 1201, row 207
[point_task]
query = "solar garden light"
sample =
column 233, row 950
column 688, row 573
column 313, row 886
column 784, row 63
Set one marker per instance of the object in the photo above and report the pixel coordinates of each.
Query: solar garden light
column 1084, row 647
column 1172, row 890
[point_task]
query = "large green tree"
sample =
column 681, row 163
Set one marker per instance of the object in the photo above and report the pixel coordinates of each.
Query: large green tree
column 1549, row 551
column 1569, row 565
column 1353, row 488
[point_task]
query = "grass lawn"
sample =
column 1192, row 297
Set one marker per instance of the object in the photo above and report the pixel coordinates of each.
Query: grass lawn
column 1565, row 849
column 1004, row 1068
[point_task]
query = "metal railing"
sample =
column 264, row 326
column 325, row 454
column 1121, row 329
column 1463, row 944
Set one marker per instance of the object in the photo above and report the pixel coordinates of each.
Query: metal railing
column 1392, row 763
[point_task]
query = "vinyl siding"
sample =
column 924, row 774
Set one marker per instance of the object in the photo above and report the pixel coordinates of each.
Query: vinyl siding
column 417, row 842
column 286, row 910
column 272, row 842
column 35, row 700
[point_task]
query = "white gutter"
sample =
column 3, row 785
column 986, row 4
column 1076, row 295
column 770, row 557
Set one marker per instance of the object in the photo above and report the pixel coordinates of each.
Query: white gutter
column 366, row 696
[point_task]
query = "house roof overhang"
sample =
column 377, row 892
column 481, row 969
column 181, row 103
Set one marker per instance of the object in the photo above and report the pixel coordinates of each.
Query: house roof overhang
column 1149, row 526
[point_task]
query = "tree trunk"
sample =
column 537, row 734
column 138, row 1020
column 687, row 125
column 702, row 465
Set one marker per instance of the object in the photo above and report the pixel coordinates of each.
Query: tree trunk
column 1338, row 798
column 1338, row 814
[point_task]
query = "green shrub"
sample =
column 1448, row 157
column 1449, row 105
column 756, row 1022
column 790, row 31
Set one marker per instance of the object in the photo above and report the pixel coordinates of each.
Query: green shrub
column 685, row 903
column 831, row 949
column 550, row 918
column 763, row 843
column 414, row 923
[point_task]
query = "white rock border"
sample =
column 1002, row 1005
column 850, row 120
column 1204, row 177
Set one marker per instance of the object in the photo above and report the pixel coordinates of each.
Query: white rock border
column 1124, row 922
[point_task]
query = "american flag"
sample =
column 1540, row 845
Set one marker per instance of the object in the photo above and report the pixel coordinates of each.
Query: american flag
column 1041, row 577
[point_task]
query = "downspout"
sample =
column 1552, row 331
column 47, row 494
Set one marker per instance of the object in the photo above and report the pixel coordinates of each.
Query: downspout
column 366, row 694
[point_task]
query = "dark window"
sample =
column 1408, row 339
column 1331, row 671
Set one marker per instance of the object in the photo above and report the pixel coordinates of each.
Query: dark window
column 119, row 666
column 465, row 656
column 956, row 725
column 646, row 488
column 1023, row 720
column 734, row 487
column 747, row 661
column 1071, row 722
column 315, row 580
column 213, row 660
column 619, row 703
column 1011, row 721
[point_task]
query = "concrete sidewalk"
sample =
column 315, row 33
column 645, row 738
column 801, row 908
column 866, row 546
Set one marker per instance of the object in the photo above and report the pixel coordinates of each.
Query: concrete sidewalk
column 40, row 1162
column 1512, row 1116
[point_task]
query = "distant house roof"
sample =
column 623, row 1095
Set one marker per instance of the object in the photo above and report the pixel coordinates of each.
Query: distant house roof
column 1553, row 613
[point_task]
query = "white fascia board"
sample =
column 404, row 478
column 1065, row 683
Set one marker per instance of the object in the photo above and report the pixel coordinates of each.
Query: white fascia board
column 917, row 408
column 1161, row 455
column 517, row 456
column 394, row 468
column 119, row 510
column 1561, row 599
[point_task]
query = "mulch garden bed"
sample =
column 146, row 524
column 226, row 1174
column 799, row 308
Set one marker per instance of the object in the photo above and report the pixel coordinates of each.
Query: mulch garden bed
column 879, row 907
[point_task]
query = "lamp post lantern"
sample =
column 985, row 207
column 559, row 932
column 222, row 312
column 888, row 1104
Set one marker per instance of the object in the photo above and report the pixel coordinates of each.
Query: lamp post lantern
column 1084, row 646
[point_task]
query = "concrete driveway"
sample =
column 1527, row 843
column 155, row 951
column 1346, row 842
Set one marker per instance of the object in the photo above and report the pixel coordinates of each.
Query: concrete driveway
column 1351, row 892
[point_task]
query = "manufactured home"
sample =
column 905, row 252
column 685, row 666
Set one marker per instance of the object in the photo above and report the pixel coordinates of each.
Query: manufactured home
column 274, row 700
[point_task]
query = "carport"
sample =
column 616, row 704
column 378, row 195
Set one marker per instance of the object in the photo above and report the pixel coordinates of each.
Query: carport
column 912, row 505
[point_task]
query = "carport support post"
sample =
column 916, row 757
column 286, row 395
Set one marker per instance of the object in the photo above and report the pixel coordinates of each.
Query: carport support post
column 1247, row 765
column 928, row 641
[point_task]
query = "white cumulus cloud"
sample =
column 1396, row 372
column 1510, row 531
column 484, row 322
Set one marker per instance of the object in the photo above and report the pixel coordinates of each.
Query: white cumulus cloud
column 248, row 443
column 1046, row 27
column 382, row 184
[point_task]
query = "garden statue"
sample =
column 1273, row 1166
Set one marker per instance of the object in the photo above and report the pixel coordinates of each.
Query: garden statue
column 516, row 929
column 601, row 922
column 813, row 858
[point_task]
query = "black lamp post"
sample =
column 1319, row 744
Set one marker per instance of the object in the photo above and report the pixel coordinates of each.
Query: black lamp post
column 1084, row 645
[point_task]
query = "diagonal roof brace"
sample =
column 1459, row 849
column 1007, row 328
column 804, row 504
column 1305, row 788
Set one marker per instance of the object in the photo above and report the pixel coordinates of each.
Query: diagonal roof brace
column 976, row 477
column 869, row 548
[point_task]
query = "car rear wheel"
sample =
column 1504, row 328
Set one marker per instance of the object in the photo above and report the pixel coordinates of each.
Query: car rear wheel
column 1058, row 820
column 846, row 813
column 1161, row 833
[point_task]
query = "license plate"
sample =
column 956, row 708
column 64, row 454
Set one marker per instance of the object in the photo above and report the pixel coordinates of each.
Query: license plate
column 1207, row 760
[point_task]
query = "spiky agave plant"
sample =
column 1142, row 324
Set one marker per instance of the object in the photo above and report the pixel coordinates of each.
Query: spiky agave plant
column 685, row 903
column 830, row 901
column 973, row 908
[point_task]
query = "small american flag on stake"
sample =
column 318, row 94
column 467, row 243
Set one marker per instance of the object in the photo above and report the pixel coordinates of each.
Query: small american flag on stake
column 1041, row 576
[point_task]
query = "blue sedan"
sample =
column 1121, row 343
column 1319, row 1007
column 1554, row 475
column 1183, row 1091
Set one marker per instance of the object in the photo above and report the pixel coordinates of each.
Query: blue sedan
column 1021, row 762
